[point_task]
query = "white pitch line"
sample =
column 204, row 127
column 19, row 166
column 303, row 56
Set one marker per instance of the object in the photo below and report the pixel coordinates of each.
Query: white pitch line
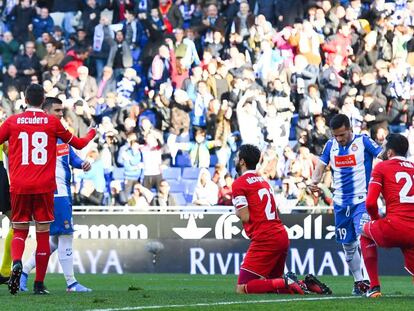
column 225, row 303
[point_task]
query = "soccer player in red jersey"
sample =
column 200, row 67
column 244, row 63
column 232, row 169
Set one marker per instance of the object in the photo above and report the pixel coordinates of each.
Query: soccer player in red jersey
column 263, row 266
column 393, row 178
column 32, row 137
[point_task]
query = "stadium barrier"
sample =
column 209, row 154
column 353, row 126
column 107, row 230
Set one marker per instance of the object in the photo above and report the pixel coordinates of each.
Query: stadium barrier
column 197, row 240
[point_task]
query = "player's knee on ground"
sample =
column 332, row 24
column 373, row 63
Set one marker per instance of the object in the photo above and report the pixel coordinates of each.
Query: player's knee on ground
column 241, row 289
column 350, row 249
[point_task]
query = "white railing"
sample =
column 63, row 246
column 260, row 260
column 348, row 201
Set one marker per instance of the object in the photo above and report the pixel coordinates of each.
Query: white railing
column 90, row 210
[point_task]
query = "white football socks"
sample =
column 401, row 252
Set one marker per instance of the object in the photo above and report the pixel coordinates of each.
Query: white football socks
column 353, row 259
column 65, row 253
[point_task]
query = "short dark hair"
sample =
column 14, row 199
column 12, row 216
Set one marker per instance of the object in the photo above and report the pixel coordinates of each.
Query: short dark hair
column 338, row 121
column 398, row 143
column 50, row 101
column 250, row 154
column 35, row 95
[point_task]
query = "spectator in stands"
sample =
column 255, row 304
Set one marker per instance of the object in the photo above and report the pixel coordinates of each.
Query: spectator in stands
column 129, row 157
column 68, row 9
column 120, row 56
column 187, row 9
column 141, row 197
column 163, row 197
column 27, row 64
column 92, row 182
column 21, row 17
column 10, row 78
column 152, row 161
column 57, row 77
column 171, row 15
column 107, row 84
column 199, row 150
column 206, row 191
column 9, row 48
column 73, row 60
column 87, row 85
column 212, row 22
column 119, row 7
column 102, row 41
column 243, row 21
column 91, row 15
column 319, row 135
column 375, row 115
column 226, row 191
column 42, row 23
column 53, row 56
column 127, row 88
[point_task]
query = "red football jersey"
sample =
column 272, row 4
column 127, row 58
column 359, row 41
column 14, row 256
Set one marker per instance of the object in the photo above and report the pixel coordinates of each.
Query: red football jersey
column 32, row 137
column 396, row 177
column 252, row 191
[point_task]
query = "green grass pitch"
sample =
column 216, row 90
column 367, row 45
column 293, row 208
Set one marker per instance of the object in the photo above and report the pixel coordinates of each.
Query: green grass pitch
column 199, row 292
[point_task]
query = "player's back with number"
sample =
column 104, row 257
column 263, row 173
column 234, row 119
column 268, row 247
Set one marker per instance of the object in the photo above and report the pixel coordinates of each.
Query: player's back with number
column 32, row 136
column 253, row 191
column 396, row 177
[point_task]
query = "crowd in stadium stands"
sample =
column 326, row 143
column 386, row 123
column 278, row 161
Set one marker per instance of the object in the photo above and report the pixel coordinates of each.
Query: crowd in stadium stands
column 177, row 86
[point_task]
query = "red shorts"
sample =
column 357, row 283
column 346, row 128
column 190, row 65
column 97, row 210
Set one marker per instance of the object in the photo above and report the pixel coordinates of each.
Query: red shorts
column 266, row 259
column 388, row 233
column 28, row 207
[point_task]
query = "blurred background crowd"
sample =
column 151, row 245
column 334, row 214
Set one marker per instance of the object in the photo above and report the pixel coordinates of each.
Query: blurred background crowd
column 177, row 86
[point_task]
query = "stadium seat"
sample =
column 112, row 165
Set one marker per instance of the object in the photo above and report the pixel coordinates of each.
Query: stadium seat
column 213, row 160
column 180, row 199
column 183, row 160
column 189, row 185
column 190, row 172
column 189, row 198
column 212, row 170
column 118, row 173
column 171, row 173
column 176, row 186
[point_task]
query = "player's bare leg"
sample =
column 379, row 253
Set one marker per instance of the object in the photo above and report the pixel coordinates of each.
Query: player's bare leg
column 42, row 257
column 21, row 231
column 370, row 254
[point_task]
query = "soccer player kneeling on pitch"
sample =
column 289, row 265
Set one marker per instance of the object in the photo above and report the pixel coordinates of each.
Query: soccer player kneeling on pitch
column 263, row 266
column 61, row 230
column 394, row 179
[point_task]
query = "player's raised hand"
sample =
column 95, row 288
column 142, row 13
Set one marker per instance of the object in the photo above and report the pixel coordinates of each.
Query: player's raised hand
column 86, row 166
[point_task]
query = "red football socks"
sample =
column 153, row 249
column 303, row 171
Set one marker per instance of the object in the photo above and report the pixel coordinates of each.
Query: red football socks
column 261, row 286
column 18, row 243
column 42, row 255
column 370, row 254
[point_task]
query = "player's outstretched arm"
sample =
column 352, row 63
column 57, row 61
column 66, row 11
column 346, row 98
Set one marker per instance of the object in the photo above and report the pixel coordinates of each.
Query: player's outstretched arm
column 317, row 176
column 80, row 143
column 71, row 139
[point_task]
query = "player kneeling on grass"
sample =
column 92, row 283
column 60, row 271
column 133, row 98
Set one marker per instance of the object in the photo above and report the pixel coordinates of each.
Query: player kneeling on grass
column 394, row 179
column 61, row 230
column 263, row 266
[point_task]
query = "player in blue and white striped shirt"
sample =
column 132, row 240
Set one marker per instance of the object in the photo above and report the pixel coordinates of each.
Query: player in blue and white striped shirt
column 350, row 157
